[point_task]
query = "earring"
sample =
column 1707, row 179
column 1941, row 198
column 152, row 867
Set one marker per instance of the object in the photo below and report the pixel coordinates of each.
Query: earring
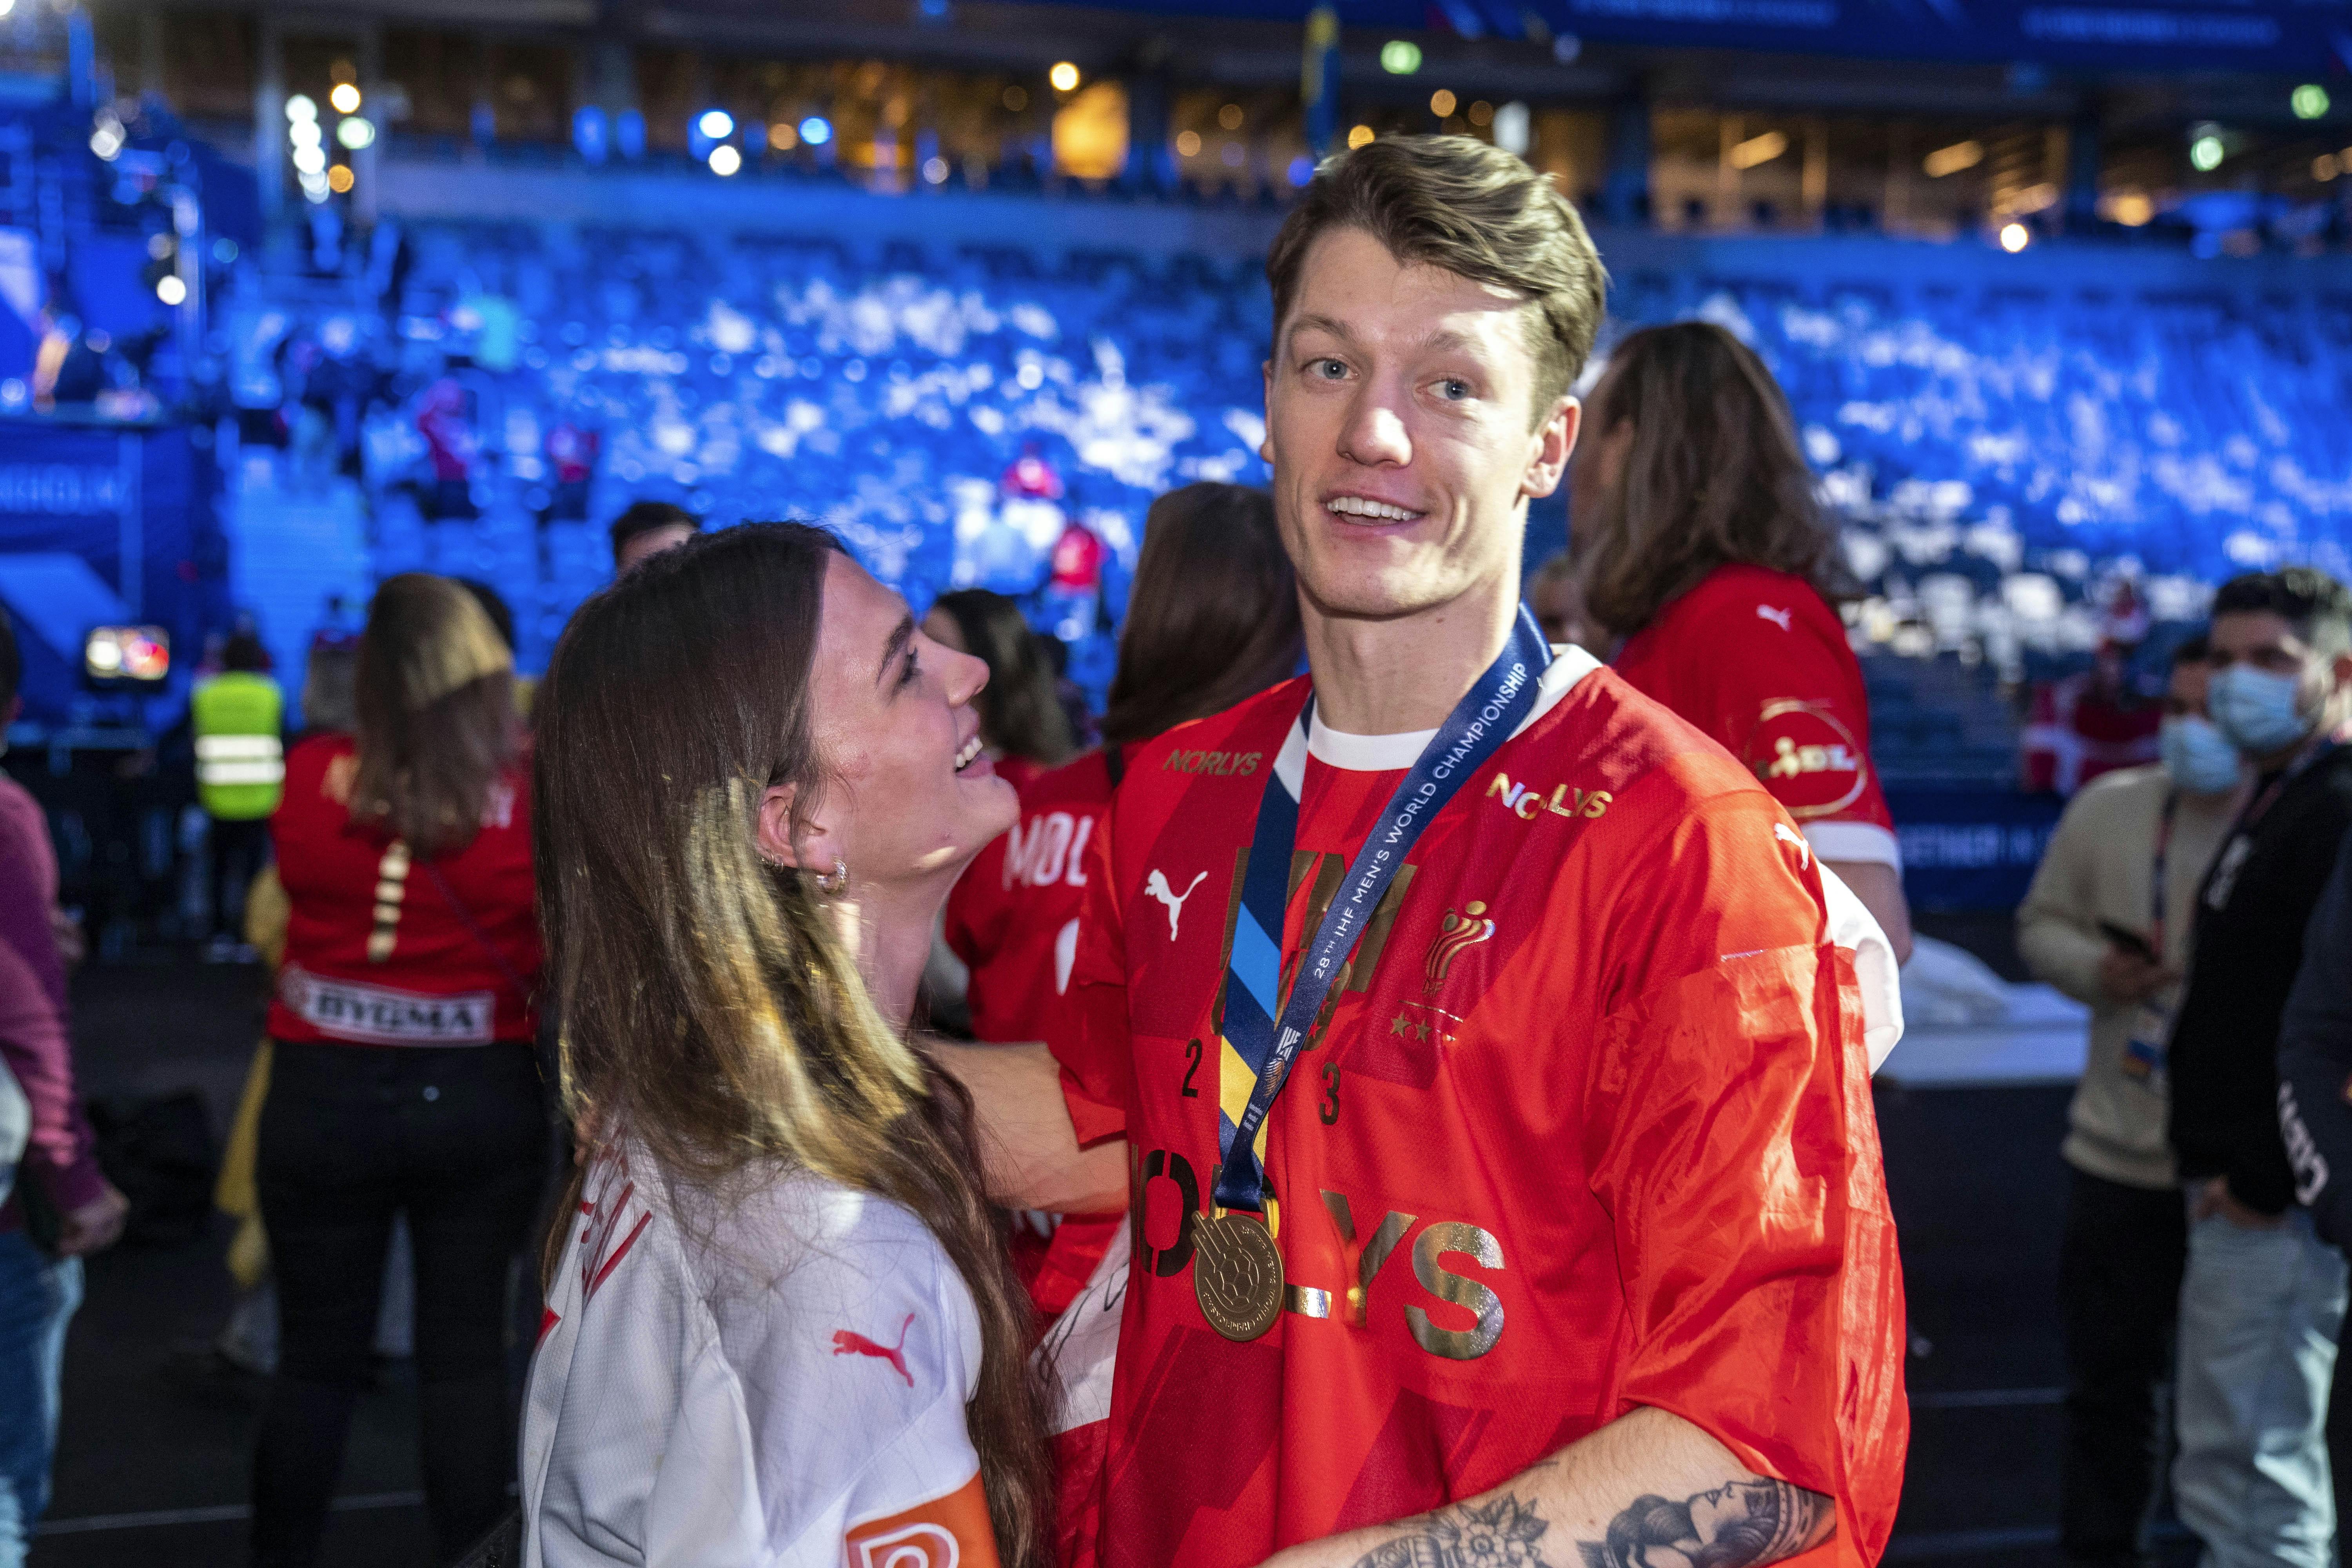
column 834, row 886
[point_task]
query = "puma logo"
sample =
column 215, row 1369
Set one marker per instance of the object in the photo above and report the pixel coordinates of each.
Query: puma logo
column 1786, row 833
column 1778, row 617
column 1156, row 886
column 849, row 1342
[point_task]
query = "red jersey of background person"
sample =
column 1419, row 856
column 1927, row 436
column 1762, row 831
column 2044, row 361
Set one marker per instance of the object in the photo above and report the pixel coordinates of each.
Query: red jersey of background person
column 2099, row 719
column 377, row 949
column 1588, row 1128
column 571, row 451
column 1758, row 661
column 1013, row 920
column 1030, row 476
column 448, row 439
column 1078, row 559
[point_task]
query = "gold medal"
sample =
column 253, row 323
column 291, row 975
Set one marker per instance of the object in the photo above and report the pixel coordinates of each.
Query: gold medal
column 1236, row 1274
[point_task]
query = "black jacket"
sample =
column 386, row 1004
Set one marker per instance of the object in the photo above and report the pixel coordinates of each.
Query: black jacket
column 2250, row 916
column 2316, row 1060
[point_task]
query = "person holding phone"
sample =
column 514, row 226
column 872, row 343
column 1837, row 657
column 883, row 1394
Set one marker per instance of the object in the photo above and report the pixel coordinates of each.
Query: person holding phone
column 2107, row 923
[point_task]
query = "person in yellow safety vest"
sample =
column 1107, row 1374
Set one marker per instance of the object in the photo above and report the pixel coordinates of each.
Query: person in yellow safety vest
column 238, row 717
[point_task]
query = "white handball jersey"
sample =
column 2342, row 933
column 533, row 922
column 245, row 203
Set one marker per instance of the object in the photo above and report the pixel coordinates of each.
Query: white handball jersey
column 777, row 1381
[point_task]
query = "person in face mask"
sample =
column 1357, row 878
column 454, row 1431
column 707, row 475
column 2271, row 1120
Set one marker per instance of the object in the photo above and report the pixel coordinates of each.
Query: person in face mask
column 2263, row 1297
column 2108, row 922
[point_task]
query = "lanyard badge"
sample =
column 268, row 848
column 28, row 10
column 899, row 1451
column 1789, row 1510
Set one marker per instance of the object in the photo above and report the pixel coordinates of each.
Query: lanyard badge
column 1237, row 1270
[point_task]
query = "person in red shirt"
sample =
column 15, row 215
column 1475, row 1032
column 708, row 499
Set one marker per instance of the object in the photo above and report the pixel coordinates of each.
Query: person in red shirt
column 1462, row 1029
column 403, row 1076
column 2095, row 720
column 1214, row 616
column 1701, row 545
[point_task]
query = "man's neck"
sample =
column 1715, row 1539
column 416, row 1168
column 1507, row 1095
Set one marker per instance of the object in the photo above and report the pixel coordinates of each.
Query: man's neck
column 1395, row 677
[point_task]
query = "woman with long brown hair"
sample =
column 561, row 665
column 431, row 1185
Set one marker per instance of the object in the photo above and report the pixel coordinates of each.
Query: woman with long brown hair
column 781, row 1325
column 1020, row 718
column 402, row 1077
column 1700, row 543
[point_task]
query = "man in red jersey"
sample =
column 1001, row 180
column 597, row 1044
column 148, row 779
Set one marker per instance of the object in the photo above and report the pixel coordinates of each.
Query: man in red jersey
column 1549, row 1227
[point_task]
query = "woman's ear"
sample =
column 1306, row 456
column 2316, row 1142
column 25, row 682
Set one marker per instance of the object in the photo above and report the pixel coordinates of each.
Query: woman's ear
column 775, row 836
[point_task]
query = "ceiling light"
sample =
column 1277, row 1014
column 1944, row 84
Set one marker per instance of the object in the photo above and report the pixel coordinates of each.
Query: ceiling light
column 1951, row 160
column 1758, row 150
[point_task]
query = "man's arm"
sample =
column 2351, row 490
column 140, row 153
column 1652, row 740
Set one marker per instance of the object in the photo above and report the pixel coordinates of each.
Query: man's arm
column 2316, row 1060
column 2057, row 925
column 1648, row 1479
column 1027, row 1142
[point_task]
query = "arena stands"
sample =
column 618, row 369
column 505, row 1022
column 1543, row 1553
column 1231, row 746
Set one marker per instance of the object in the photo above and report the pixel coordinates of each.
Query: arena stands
column 2005, row 443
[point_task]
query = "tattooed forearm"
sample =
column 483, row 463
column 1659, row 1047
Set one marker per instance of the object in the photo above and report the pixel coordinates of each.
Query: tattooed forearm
column 1744, row 1524
column 1501, row 1533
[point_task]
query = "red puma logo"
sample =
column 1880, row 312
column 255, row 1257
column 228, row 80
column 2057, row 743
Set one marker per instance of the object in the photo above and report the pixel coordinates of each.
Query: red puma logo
column 849, row 1342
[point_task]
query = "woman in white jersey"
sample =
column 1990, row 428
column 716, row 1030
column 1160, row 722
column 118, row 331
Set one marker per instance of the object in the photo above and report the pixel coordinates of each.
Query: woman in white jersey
column 781, row 1325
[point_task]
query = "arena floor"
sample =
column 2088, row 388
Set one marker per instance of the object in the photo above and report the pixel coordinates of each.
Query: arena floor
column 152, row 1465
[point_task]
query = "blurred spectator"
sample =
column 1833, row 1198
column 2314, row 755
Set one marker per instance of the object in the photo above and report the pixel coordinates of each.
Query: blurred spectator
column 571, row 452
column 30, row 922
column 2127, row 858
column 449, row 442
column 238, row 717
column 648, row 528
column 494, row 604
column 1020, row 718
column 1558, row 600
column 2263, row 1300
column 330, row 701
column 402, row 1077
column 60, row 1207
column 1702, row 544
column 2102, row 719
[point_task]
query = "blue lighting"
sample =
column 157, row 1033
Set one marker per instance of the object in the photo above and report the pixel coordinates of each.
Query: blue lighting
column 816, row 131
column 716, row 123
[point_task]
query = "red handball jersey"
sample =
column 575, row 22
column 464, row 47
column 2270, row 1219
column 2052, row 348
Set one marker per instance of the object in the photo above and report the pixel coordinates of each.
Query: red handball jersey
column 1759, row 662
column 1013, row 920
column 1588, row 1126
column 1014, row 915
column 378, row 951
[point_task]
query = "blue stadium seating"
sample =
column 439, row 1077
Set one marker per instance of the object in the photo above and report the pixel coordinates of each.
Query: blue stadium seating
column 2000, row 444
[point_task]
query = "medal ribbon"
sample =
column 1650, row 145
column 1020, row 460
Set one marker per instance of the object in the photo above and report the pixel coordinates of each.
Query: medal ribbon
column 1486, row 717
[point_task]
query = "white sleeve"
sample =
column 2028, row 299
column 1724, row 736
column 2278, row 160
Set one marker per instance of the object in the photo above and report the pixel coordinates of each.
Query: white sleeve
column 1853, row 928
column 1865, row 842
column 633, row 1445
column 854, row 1364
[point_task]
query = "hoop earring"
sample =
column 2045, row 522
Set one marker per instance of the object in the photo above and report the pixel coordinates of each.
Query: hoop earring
column 834, row 886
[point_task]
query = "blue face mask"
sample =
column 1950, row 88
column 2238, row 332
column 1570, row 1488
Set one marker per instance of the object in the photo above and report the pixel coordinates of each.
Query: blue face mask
column 2197, row 756
column 2261, row 713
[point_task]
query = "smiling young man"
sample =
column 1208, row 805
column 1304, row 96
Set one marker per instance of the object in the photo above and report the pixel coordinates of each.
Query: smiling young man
column 1493, row 1113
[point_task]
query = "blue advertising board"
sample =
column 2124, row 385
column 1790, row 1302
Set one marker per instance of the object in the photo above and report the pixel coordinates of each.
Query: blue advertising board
column 137, row 505
column 1970, row 849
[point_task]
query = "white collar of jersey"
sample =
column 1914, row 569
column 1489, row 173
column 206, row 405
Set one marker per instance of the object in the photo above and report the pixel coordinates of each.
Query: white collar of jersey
column 1387, row 753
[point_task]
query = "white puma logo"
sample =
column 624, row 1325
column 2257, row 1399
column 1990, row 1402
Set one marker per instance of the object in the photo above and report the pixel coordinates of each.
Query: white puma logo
column 1782, row 831
column 1156, row 886
column 1778, row 617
